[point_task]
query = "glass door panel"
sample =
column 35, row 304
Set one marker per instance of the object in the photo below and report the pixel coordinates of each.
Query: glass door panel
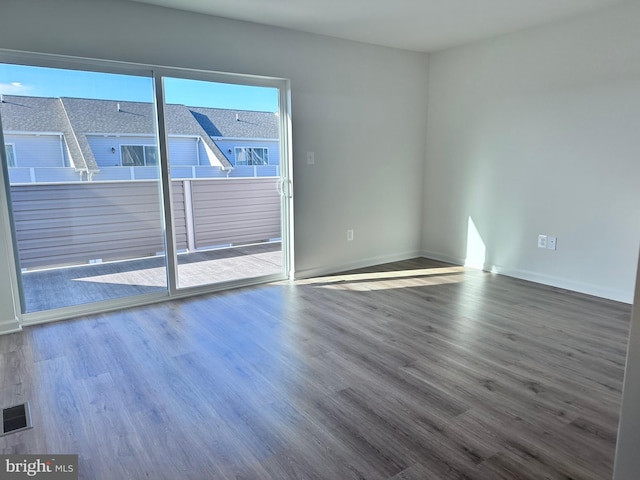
column 80, row 159
column 224, row 145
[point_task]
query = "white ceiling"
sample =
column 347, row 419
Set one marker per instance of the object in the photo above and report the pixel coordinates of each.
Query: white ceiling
column 420, row 25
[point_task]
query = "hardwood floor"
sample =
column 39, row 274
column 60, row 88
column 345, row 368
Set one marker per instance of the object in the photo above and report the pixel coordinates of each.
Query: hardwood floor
column 412, row 370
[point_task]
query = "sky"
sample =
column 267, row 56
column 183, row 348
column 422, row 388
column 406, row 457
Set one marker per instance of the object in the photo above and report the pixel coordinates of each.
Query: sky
column 52, row 82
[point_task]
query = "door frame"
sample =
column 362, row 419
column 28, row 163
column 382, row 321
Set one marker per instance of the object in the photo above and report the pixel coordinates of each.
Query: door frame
column 156, row 74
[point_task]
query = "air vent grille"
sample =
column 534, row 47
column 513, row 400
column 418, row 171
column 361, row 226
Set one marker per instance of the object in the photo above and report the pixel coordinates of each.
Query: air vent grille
column 16, row 419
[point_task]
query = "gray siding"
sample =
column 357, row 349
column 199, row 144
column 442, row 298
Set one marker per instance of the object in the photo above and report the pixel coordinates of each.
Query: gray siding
column 101, row 148
column 37, row 151
column 179, row 215
column 235, row 210
column 64, row 224
column 183, row 151
column 204, row 155
column 73, row 223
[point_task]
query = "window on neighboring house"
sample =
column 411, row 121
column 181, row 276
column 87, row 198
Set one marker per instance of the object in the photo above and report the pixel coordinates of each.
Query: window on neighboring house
column 139, row 155
column 252, row 156
column 11, row 156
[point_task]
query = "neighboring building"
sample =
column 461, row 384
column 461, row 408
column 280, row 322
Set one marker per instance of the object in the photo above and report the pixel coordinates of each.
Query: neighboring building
column 75, row 139
column 37, row 134
column 244, row 137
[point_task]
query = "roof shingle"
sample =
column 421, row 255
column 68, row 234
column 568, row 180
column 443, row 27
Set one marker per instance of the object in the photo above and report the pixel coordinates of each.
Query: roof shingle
column 77, row 117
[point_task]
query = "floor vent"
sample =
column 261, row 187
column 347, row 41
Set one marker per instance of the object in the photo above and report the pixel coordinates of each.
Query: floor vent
column 16, row 419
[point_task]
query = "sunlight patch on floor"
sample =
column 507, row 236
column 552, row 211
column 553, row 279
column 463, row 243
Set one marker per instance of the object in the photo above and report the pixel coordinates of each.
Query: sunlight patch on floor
column 388, row 279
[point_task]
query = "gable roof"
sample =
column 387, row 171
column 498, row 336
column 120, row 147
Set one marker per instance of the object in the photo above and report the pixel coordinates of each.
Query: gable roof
column 218, row 122
column 89, row 116
column 46, row 115
column 78, row 117
column 32, row 114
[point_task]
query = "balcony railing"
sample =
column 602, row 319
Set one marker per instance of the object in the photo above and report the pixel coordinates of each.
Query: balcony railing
column 20, row 175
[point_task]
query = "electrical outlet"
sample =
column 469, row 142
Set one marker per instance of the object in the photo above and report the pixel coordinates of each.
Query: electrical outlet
column 551, row 243
column 542, row 241
column 311, row 158
column 349, row 235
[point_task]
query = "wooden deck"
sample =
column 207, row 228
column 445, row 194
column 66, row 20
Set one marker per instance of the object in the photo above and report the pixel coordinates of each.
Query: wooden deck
column 414, row 370
column 63, row 287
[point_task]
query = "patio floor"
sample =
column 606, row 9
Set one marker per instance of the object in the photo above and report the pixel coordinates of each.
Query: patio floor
column 64, row 287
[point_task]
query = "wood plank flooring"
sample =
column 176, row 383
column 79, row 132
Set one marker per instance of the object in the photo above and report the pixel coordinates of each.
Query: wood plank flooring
column 413, row 370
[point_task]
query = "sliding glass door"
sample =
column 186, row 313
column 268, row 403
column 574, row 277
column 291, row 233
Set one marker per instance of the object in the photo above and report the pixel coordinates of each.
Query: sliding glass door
column 87, row 223
column 224, row 144
column 142, row 183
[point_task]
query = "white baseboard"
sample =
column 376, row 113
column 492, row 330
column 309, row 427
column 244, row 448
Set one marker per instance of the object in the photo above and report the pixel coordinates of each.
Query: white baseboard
column 367, row 262
column 10, row 326
column 442, row 258
column 567, row 284
column 559, row 282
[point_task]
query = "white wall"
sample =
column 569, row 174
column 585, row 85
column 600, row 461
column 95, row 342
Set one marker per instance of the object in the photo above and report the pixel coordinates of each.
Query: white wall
column 627, row 464
column 348, row 99
column 538, row 133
